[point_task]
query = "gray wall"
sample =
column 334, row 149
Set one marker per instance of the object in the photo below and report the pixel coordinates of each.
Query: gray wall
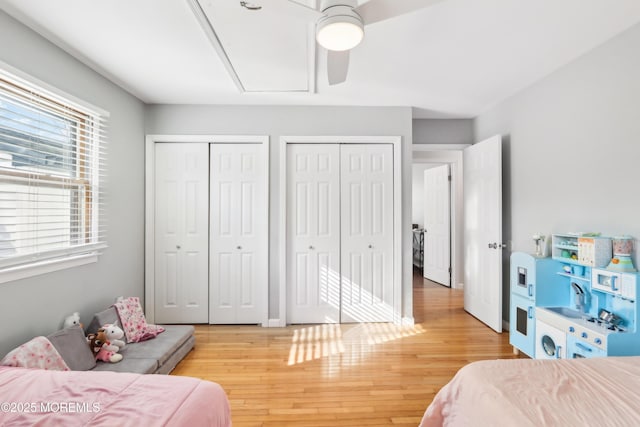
column 443, row 131
column 37, row 305
column 299, row 121
column 571, row 148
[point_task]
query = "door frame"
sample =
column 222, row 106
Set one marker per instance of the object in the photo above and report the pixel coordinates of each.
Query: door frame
column 396, row 142
column 451, row 154
column 149, row 187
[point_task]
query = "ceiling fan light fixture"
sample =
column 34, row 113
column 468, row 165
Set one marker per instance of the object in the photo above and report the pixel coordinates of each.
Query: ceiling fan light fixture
column 341, row 29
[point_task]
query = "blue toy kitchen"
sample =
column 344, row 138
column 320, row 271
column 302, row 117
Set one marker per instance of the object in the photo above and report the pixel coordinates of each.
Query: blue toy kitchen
column 580, row 302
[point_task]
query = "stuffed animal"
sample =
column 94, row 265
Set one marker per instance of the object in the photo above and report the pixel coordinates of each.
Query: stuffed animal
column 114, row 337
column 97, row 344
column 72, row 320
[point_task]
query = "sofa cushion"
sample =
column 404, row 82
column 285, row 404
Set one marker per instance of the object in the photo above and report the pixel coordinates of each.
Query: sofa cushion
column 161, row 347
column 72, row 346
column 176, row 357
column 139, row 366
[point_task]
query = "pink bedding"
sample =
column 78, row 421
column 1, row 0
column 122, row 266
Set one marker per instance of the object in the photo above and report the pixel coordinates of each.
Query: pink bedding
column 34, row 397
column 523, row 392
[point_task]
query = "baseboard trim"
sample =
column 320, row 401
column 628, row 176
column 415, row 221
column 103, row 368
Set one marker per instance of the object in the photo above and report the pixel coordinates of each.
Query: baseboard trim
column 408, row 321
column 275, row 323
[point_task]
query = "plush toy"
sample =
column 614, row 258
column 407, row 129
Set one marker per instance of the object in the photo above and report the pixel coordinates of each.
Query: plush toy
column 97, row 344
column 114, row 337
column 72, row 320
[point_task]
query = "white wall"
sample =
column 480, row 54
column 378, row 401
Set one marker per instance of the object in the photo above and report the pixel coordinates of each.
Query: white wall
column 37, row 306
column 417, row 191
column 571, row 148
column 276, row 121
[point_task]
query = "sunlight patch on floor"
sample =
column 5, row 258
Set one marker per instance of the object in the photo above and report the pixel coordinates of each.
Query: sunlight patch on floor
column 319, row 341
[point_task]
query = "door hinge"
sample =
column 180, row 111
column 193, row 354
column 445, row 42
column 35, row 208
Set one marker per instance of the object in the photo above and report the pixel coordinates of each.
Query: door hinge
column 449, row 270
column 449, row 177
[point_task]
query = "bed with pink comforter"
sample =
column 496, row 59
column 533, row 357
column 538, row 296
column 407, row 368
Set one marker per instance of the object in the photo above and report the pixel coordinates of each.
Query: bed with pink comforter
column 524, row 392
column 36, row 397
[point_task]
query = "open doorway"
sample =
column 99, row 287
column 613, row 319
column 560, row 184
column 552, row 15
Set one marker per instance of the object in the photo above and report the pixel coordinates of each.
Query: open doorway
column 430, row 215
column 428, row 156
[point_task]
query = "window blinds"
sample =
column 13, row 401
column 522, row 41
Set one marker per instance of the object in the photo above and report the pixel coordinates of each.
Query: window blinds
column 52, row 163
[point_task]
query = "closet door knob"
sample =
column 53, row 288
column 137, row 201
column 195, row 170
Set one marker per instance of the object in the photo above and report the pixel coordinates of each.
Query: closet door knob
column 311, row 247
column 177, row 246
column 370, row 246
column 239, row 247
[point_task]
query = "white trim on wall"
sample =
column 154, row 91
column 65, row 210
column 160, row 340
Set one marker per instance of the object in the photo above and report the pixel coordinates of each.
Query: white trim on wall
column 396, row 141
column 417, row 146
column 149, row 263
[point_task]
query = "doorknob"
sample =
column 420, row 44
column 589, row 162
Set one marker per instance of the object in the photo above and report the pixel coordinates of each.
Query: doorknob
column 497, row 245
column 239, row 247
column 311, row 247
column 177, row 246
column 370, row 246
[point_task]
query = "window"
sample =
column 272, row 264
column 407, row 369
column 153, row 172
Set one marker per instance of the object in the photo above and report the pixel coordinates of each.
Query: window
column 51, row 171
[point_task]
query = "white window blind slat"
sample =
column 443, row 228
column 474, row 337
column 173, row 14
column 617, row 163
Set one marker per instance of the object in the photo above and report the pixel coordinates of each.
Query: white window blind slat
column 42, row 102
column 52, row 174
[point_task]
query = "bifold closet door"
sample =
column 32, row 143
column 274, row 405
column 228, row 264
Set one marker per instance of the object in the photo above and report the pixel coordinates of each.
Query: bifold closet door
column 313, row 233
column 238, row 234
column 366, row 248
column 340, row 233
column 181, row 233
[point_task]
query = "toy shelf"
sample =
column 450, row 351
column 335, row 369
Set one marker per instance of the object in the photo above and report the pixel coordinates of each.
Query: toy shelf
column 581, row 249
column 586, row 279
column 567, row 247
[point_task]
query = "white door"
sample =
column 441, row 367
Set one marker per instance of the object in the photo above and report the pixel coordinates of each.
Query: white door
column 437, row 220
column 238, row 234
column 366, row 248
column 181, row 233
column 313, row 233
column 482, row 163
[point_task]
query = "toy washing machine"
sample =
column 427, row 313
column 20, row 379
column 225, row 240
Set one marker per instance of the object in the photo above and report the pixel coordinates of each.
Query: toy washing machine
column 551, row 342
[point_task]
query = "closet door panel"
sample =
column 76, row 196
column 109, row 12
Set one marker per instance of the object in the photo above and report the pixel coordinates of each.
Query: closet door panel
column 181, row 233
column 238, row 235
column 367, row 233
column 313, row 233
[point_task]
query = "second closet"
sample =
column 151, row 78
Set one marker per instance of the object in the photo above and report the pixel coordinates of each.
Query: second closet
column 340, row 233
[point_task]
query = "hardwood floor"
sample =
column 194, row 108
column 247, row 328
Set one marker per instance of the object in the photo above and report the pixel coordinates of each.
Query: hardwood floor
column 344, row 375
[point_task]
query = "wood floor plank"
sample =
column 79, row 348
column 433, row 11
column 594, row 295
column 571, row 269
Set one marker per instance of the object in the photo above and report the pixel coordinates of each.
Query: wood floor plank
column 344, row 375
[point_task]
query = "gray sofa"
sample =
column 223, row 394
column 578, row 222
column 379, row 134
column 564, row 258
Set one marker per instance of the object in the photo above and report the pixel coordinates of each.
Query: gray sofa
column 155, row 356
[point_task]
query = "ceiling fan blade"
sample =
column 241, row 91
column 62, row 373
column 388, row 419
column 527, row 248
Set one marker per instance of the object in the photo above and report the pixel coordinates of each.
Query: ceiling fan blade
column 380, row 10
column 337, row 66
column 288, row 8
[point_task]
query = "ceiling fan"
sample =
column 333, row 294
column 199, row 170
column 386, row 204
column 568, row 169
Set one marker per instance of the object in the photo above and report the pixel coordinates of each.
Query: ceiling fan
column 340, row 24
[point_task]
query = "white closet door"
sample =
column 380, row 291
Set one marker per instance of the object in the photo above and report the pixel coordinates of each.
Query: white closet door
column 367, row 233
column 238, row 234
column 181, row 233
column 313, row 233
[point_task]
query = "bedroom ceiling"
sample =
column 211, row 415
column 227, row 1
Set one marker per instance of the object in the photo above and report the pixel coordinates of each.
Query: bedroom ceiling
column 454, row 59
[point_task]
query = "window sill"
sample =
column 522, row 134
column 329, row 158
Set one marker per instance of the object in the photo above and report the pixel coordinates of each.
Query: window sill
column 42, row 267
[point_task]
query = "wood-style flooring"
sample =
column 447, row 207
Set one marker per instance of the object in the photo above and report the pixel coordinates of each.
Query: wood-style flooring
column 344, row 375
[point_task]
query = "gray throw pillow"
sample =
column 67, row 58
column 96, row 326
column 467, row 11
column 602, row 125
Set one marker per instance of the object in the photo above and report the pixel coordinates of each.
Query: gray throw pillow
column 108, row 316
column 72, row 346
